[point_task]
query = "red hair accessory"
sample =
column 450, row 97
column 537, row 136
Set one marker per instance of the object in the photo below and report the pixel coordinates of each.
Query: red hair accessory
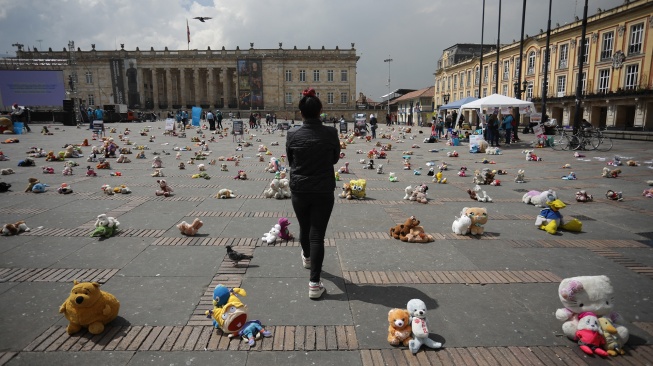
column 309, row 92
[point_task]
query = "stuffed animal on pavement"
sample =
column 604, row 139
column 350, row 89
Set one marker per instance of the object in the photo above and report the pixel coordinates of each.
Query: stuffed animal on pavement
column 462, row 172
column 477, row 218
column 4, row 187
column 103, row 165
column 48, row 170
column 31, row 183
column 539, row 199
column 461, row 224
column 284, row 232
column 532, row 157
column 615, row 196
column 156, row 162
column 232, row 319
column 520, row 176
column 478, row 177
column 400, row 231
column 589, row 335
column 64, row 189
column 399, row 328
column 418, row 235
column 419, row 327
column 241, row 175
column 122, row 158
column 419, row 194
column 607, row 173
column 439, row 178
column 588, row 293
column 89, row 307
column 105, row 226
column 481, row 195
column 14, row 229
column 190, row 229
column 550, row 219
column 648, row 193
column 6, row 171
column 158, row 173
column 583, row 196
column 39, row 187
column 164, row 188
column 271, row 236
column 613, row 344
column 225, row 193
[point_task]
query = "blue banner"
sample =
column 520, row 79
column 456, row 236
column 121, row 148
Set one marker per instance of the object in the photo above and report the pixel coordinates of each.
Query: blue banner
column 196, row 113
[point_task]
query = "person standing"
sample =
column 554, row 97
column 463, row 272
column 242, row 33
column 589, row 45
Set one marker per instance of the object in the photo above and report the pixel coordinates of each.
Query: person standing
column 90, row 115
column 373, row 125
column 312, row 149
column 388, row 119
column 99, row 114
column 211, row 119
column 493, row 130
column 507, row 125
column 218, row 117
column 18, row 114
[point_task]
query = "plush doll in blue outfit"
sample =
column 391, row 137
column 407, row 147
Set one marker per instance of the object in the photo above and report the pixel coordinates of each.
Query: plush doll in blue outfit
column 550, row 219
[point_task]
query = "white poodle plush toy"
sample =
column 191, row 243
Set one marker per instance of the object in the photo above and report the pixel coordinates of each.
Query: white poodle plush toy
column 271, row 236
column 461, row 225
column 419, row 324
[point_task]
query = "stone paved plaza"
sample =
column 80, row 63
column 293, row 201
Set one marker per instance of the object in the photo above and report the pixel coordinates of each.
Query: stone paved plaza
column 491, row 299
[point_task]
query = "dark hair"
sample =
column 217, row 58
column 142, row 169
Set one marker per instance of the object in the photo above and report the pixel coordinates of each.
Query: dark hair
column 310, row 105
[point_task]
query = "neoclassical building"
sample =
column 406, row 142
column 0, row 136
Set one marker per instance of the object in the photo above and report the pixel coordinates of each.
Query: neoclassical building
column 252, row 79
column 616, row 76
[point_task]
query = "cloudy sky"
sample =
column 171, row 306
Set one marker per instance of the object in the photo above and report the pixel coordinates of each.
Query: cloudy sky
column 411, row 32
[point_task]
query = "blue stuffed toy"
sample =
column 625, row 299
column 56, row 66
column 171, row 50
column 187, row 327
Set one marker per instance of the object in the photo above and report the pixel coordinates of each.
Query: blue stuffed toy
column 39, row 188
column 251, row 329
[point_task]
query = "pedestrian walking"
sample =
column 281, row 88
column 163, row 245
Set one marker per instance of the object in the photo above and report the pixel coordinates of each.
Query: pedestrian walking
column 373, row 125
column 312, row 150
column 218, row 118
column 211, row 119
column 507, row 126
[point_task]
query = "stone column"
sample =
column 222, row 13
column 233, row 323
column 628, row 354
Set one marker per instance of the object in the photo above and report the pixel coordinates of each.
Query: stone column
column 226, row 87
column 140, row 87
column 196, row 86
column 168, row 88
column 182, row 88
column 210, row 85
column 155, row 89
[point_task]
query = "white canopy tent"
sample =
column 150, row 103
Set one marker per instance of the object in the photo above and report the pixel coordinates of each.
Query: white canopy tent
column 498, row 101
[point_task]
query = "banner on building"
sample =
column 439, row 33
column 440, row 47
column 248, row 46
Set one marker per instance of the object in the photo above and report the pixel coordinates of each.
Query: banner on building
column 250, row 84
column 117, row 83
column 133, row 97
column 195, row 116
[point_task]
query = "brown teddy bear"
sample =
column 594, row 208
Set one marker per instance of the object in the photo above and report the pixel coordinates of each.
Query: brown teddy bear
column 478, row 215
column 400, row 231
column 164, row 188
column 417, row 235
column 190, row 229
column 88, row 306
column 31, row 183
column 346, row 191
column 399, row 328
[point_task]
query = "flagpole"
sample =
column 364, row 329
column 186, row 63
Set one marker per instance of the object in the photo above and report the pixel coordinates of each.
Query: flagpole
column 187, row 35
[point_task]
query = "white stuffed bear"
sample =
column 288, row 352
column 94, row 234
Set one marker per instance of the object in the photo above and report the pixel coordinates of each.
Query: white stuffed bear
column 284, row 188
column 104, row 220
column 409, row 192
column 539, row 199
column 271, row 236
column 461, row 224
column 417, row 310
column 587, row 293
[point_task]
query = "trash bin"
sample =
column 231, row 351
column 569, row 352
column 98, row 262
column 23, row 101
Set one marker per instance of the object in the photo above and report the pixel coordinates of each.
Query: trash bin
column 18, row 128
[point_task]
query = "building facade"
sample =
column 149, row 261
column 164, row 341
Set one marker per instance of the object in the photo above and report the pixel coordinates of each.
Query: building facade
column 253, row 79
column 415, row 108
column 616, row 76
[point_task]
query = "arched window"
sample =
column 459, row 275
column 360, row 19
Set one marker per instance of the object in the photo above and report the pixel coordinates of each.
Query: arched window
column 478, row 75
column 531, row 63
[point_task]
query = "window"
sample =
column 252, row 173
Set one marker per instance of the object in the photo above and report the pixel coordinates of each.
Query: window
column 562, row 85
column 485, row 74
column 288, row 98
column 469, row 77
column 604, row 80
column 584, row 82
column 517, row 65
column 529, row 91
column 531, row 63
column 437, row 85
column 91, row 99
column 462, row 79
column 288, row 75
column 504, row 90
column 586, row 54
column 484, row 92
column 563, row 53
column 476, row 93
column 302, row 75
column 469, row 93
column 494, row 90
column 477, row 77
column 448, row 82
column 494, row 72
column 547, row 62
column 330, row 98
column 316, row 75
column 606, row 45
column 89, row 79
column 631, row 76
column 506, row 70
column 455, row 81
column 329, row 75
column 343, row 97
column 636, row 36
column 343, row 75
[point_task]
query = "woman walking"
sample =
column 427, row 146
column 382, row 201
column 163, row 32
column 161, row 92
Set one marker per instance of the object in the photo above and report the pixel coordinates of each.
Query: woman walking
column 312, row 150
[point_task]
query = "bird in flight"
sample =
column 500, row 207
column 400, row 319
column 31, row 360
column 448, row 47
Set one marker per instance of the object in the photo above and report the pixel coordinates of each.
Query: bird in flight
column 236, row 256
column 202, row 19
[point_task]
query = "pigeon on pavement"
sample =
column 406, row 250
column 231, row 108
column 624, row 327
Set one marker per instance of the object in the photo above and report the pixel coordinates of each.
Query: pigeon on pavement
column 236, row 256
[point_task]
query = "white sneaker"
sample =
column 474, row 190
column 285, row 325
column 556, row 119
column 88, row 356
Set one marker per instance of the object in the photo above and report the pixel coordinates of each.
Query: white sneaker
column 306, row 262
column 315, row 290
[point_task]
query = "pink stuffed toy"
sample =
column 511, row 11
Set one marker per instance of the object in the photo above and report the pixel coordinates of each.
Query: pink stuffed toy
column 190, row 229
column 284, row 233
column 164, row 188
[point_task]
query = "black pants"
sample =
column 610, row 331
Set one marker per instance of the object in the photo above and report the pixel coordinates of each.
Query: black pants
column 219, row 123
column 313, row 212
column 212, row 125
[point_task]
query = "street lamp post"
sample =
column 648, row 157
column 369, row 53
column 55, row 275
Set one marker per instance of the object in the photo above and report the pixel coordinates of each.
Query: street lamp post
column 445, row 101
column 388, row 60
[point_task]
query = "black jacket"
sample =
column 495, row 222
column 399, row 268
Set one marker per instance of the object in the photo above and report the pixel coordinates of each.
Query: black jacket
column 312, row 150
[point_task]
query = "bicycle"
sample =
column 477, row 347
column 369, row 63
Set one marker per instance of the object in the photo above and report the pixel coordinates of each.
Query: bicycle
column 562, row 140
column 605, row 143
column 585, row 139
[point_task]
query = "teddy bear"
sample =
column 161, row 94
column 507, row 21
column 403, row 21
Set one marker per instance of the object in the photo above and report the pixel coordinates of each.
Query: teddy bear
column 401, row 230
column 89, row 307
column 477, row 218
column 122, row 158
column 589, row 334
column 583, row 196
column 520, row 176
column 271, row 236
column 419, row 327
column 105, row 226
column 419, row 194
column 103, row 165
column 70, row 152
column 587, row 293
column 607, row 173
column 225, row 193
column 399, row 328
column 539, row 199
column 241, row 175
column 140, row 155
column 30, row 184
column 6, row 171
column 613, row 344
column 14, row 229
column 190, row 229
column 417, row 235
column 158, row 173
column 478, row 177
column 488, row 176
column 164, row 188
column 550, row 219
column 346, row 191
column 156, row 162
